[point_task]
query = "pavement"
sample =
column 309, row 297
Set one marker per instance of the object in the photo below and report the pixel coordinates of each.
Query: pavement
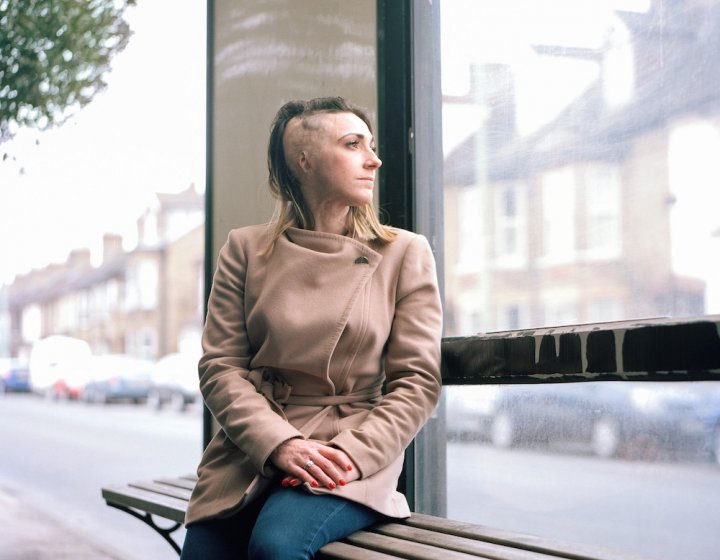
column 29, row 534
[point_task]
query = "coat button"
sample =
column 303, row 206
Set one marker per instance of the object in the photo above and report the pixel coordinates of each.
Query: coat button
column 362, row 260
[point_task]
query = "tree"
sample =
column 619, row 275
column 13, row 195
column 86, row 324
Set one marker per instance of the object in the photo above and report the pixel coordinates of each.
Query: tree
column 54, row 55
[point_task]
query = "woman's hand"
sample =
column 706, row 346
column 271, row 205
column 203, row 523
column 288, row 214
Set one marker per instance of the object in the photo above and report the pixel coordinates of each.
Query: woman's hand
column 326, row 466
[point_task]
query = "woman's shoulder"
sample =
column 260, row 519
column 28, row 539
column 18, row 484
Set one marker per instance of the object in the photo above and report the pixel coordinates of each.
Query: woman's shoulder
column 245, row 242
column 253, row 234
column 404, row 238
column 406, row 245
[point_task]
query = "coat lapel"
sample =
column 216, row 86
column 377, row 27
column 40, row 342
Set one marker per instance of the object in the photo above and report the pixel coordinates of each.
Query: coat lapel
column 328, row 274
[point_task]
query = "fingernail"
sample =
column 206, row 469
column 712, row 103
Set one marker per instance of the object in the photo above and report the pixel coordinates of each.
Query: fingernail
column 342, row 482
column 313, row 484
column 285, row 482
column 331, row 486
column 348, row 468
column 294, row 482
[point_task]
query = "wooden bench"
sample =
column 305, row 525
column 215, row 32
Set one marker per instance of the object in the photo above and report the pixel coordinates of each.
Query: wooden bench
column 421, row 537
column 647, row 350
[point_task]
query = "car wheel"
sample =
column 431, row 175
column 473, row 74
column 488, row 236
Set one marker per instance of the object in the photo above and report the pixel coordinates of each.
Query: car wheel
column 605, row 437
column 502, row 430
column 177, row 401
column 60, row 392
column 154, row 401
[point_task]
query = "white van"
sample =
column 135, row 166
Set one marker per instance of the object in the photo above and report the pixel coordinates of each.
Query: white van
column 59, row 366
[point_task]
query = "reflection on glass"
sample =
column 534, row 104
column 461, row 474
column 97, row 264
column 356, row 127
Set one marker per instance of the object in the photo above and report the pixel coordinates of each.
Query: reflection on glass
column 630, row 420
column 631, row 466
column 581, row 161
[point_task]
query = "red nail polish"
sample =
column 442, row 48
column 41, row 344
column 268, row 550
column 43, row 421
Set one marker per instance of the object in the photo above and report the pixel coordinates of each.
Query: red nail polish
column 348, row 468
column 314, row 484
column 285, row 482
column 342, row 482
column 294, row 482
column 331, row 486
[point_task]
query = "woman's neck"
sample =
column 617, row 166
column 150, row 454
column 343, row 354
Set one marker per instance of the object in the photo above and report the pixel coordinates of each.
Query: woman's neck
column 332, row 221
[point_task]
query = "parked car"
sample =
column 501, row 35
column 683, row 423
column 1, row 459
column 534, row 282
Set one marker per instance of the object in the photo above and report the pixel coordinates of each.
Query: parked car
column 175, row 381
column 709, row 411
column 58, row 366
column 115, row 377
column 14, row 377
column 634, row 419
column 470, row 409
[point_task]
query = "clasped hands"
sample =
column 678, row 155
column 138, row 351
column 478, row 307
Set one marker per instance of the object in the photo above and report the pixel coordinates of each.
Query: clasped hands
column 305, row 461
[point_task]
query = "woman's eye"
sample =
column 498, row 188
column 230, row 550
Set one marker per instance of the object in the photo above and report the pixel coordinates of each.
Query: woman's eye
column 353, row 143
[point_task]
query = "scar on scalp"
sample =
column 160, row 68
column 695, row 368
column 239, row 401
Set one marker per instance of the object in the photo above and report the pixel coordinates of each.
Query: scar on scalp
column 300, row 134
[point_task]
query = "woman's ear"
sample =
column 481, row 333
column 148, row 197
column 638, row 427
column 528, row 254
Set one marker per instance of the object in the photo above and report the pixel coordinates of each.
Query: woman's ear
column 303, row 161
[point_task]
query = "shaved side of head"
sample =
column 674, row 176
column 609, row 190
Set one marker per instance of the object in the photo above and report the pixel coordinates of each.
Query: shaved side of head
column 301, row 134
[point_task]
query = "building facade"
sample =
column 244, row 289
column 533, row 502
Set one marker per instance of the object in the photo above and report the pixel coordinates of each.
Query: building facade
column 145, row 302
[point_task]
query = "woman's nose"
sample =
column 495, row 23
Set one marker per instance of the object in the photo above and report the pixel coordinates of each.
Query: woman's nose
column 373, row 160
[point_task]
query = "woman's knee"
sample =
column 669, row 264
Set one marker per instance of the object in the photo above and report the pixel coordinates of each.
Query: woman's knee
column 277, row 545
column 293, row 524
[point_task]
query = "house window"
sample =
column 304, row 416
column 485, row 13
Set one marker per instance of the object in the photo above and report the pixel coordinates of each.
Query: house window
column 510, row 227
column 602, row 212
column 142, row 285
column 558, row 216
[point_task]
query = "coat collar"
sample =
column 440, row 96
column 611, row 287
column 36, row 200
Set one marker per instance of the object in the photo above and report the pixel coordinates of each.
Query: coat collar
column 332, row 245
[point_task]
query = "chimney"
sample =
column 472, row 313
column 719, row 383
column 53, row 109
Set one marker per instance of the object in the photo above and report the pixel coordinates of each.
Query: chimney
column 112, row 245
column 79, row 258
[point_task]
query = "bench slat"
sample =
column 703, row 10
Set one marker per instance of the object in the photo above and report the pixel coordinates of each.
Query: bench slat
column 558, row 549
column 155, row 504
column 403, row 548
column 180, row 482
column 163, row 490
column 459, row 544
column 343, row 551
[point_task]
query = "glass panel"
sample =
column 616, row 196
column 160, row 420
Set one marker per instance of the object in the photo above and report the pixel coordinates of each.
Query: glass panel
column 629, row 466
column 267, row 53
column 581, row 148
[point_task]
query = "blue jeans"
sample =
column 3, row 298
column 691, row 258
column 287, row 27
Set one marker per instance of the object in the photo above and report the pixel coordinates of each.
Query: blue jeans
column 287, row 524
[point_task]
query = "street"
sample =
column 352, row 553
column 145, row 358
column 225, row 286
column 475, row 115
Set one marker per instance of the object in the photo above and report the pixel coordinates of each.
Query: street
column 57, row 455
column 660, row 511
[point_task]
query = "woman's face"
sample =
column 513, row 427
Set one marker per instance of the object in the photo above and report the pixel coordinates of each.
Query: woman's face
column 338, row 161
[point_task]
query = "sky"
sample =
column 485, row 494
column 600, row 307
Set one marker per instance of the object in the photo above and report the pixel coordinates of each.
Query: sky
column 63, row 188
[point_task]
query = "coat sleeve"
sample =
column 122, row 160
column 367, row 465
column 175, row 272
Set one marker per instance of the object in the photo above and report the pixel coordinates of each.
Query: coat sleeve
column 243, row 413
column 412, row 367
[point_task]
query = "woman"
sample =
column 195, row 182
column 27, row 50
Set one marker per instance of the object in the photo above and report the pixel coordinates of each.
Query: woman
column 321, row 352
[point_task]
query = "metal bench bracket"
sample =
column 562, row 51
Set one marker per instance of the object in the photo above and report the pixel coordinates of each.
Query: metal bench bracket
column 165, row 532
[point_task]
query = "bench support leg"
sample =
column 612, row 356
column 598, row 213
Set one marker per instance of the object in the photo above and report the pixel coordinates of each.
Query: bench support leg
column 147, row 518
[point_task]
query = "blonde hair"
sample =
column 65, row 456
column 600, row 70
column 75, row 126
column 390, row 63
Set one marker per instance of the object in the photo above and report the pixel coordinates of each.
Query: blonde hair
column 290, row 207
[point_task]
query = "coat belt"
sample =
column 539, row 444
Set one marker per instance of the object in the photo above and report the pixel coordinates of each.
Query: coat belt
column 332, row 400
column 279, row 393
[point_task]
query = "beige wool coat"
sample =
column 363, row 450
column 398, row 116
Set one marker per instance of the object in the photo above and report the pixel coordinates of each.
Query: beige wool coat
column 327, row 338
